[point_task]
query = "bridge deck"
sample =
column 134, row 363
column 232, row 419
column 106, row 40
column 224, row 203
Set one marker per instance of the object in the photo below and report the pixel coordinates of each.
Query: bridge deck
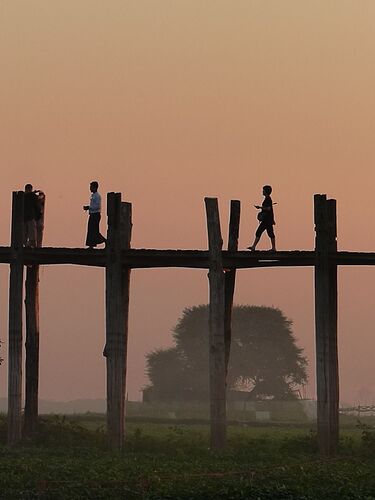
column 150, row 258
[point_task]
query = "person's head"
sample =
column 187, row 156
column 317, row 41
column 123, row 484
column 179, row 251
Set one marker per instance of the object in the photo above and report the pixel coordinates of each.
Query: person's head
column 267, row 190
column 94, row 186
column 28, row 188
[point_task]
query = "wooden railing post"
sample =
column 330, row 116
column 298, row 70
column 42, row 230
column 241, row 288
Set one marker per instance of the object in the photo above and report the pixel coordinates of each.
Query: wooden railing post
column 15, row 321
column 230, row 276
column 32, row 333
column 117, row 305
column 326, row 324
column 217, row 370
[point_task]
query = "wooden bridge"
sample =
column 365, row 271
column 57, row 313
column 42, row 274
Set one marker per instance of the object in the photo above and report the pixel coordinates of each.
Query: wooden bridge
column 118, row 259
column 142, row 258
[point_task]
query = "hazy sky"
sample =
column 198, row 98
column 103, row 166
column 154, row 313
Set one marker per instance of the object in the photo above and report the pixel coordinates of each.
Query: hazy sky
column 169, row 101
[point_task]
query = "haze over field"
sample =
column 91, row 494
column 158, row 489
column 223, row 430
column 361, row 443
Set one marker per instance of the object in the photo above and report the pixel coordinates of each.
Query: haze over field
column 169, row 102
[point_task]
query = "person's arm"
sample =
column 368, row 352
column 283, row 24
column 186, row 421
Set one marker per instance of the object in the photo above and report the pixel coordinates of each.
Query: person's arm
column 262, row 207
column 87, row 207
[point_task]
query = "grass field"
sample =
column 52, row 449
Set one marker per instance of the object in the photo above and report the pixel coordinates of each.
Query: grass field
column 69, row 460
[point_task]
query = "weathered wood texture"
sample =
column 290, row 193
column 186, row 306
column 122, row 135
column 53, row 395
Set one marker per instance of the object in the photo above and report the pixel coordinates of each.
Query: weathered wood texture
column 15, row 321
column 143, row 258
column 117, row 302
column 217, row 372
column 32, row 334
column 326, row 324
column 230, row 276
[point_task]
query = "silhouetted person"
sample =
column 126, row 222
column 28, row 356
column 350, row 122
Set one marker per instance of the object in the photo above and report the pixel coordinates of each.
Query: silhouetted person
column 40, row 219
column 93, row 234
column 266, row 219
column 31, row 215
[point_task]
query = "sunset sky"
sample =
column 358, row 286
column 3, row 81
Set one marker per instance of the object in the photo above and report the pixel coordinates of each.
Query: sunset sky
column 169, row 101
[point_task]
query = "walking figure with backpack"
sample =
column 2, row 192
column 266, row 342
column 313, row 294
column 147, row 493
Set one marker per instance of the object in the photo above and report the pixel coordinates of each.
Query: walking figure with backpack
column 266, row 220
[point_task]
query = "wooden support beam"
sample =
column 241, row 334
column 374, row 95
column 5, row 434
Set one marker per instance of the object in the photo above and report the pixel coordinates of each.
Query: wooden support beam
column 32, row 334
column 216, row 327
column 326, row 324
column 117, row 306
column 143, row 258
column 230, row 276
column 15, row 321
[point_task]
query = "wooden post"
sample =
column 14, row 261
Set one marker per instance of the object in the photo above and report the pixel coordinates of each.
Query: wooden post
column 326, row 324
column 230, row 276
column 216, row 327
column 15, row 321
column 32, row 334
column 117, row 305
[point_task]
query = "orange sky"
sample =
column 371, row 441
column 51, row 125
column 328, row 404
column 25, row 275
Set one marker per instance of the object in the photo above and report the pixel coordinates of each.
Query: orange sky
column 170, row 101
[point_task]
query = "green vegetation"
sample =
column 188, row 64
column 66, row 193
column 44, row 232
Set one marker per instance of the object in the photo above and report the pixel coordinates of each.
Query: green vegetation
column 264, row 358
column 68, row 460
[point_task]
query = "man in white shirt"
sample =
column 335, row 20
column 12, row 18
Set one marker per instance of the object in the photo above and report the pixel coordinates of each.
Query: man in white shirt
column 93, row 234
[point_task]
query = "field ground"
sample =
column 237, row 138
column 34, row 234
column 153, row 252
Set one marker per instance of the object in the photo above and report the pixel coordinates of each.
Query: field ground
column 68, row 460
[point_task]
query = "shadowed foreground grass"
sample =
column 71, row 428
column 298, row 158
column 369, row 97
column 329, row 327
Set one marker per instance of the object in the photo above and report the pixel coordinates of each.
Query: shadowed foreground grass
column 68, row 460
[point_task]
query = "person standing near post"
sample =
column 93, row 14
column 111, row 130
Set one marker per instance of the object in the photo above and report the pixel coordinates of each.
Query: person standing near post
column 93, row 234
column 31, row 214
column 266, row 220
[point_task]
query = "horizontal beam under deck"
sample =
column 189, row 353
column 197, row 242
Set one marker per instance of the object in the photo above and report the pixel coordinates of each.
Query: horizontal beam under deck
column 355, row 258
column 143, row 258
column 195, row 259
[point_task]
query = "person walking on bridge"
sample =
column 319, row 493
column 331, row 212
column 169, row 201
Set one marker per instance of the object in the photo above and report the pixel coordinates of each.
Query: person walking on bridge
column 94, row 237
column 31, row 215
column 266, row 220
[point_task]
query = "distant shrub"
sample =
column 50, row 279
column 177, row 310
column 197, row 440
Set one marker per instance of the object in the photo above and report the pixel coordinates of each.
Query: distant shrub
column 59, row 431
column 367, row 438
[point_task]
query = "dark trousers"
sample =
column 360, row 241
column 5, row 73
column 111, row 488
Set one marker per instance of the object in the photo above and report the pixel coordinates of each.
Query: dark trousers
column 265, row 226
column 93, row 234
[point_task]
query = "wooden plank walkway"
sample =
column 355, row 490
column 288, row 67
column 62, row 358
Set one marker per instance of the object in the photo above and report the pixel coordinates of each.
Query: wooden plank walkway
column 199, row 259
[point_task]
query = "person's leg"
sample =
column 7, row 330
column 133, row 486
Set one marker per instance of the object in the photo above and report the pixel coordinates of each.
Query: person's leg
column 93, row 234
column 256, row 241
column 101, row 238
column 258, row 234
column 271, row 235
column 90, row 238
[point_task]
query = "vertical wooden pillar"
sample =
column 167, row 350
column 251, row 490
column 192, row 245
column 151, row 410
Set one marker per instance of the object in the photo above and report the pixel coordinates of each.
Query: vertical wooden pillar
column 117, row 305
column 32, row 334
column 326, row 324
column 230, row 276
column 216, row 327
column 15, row 321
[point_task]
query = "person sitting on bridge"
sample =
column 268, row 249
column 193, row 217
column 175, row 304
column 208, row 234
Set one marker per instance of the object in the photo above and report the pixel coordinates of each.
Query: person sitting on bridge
column 266, row 220
column 93, row 234
column 31, row 214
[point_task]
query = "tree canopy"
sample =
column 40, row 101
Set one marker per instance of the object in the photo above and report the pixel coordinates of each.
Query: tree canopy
column 264, row 358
